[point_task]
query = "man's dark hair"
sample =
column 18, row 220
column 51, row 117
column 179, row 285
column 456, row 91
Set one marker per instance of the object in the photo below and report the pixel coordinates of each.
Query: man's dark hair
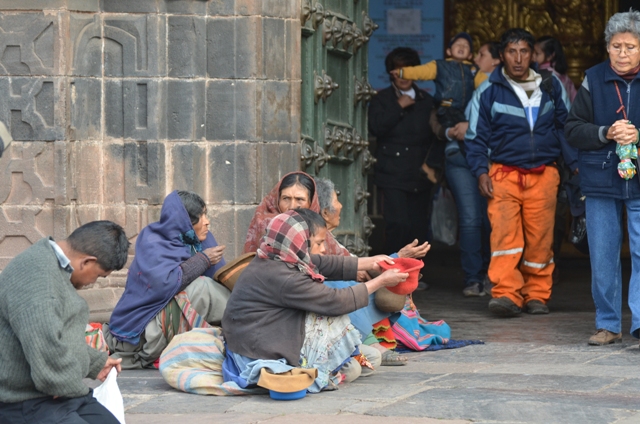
column 105, row 240
column 515, row 35
column 313, row 219
column 194, row 205
column 401, row 57
column 299, row 178
column 553, row 51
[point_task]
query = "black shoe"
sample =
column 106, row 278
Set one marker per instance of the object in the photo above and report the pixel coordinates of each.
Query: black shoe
column 535, row 307
column 504, row 307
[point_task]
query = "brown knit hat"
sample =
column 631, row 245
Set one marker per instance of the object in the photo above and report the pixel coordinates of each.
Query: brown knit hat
column 287, row 382
column 228, row 274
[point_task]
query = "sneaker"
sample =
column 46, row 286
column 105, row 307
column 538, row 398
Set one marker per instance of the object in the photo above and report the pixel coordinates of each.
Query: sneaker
column 604, row 337
column 473, row 290
column 536, row 307
column 504, row 307
column 487, row 285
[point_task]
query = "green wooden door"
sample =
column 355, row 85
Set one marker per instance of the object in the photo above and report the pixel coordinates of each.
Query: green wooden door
column 335, row 92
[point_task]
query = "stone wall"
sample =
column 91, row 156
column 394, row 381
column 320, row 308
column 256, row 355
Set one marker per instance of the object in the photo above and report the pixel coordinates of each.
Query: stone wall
column 115, row 103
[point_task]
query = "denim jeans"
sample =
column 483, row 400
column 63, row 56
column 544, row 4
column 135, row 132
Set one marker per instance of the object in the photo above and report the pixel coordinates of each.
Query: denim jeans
column 604, row 230
column 473, row 224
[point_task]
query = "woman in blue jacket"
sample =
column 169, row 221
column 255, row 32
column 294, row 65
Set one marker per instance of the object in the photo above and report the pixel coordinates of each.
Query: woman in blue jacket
column 604, row 117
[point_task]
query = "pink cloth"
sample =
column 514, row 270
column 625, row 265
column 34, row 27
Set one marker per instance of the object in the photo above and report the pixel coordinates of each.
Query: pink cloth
column 564, row 78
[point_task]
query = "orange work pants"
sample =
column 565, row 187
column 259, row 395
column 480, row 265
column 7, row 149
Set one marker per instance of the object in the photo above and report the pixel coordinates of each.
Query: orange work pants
column 522, row 216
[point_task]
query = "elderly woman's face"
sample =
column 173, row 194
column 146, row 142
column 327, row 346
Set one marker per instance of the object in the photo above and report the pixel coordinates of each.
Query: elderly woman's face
column 333, row 218
column 201, row 228
column 624, row 51
column 294, row 197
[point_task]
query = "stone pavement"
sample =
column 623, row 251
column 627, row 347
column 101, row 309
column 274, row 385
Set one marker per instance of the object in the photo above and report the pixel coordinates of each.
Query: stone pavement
column 532, row 369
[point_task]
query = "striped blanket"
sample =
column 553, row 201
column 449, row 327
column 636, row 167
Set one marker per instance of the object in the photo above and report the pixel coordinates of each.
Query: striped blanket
column 192, row 362
column 410, row 330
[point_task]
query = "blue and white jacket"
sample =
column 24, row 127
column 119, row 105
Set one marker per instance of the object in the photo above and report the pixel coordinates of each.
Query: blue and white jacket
column 509, row 128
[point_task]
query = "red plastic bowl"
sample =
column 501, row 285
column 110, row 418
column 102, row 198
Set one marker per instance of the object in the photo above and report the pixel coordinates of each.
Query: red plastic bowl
column 410, row 265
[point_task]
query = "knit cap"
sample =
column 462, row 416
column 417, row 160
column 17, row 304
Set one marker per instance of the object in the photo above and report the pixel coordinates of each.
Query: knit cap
column 464, row 35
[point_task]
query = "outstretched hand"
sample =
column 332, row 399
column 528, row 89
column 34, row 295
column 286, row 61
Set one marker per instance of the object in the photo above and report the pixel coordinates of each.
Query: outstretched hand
column 370, row 263
column 413, row 250
column 391, row 277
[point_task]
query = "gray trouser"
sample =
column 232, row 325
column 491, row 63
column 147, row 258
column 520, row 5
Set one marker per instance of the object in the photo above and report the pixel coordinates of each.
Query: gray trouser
column 207, row 297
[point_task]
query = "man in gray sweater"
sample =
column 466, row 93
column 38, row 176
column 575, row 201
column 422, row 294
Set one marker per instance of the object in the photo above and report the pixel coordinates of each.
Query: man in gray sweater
column 43, row 353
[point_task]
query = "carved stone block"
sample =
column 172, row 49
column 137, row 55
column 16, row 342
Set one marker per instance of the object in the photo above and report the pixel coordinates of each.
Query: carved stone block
column 128, row 6
column 296, row 110
column 85, row 172
column 220, row 7
column 133, row 218
column 33, row 108
column 245, row 166
column 144, row 172
column 248, row 47
column 244, row 215
column 30, row 44
column 86, row 44
column 83, row 214
column 293, row 50
column 84, row 5
column 133, row 108
column 276, row 111
column 27, row 172
column 268, row 171
column 114, row 181
column 185, row 109
column 222, row 173
column 186, row 47
column 134, row 45
column 247, row 106
column 274, row 47
column 220, row 123
column 186, row 7
column 18, row 230
column 280, row 9
column 39, row 5
column 248, row 7
column 189, row 164
column 85, row 108
column 223, row 228
column 32, row 4
column 220, row 52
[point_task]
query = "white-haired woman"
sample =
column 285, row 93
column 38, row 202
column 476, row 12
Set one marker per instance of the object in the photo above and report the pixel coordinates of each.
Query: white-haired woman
column 603, row 120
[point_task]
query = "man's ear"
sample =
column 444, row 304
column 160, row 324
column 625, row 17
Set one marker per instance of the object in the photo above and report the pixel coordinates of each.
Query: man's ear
column 88, row 261
column 324, row 214
column 448, row 52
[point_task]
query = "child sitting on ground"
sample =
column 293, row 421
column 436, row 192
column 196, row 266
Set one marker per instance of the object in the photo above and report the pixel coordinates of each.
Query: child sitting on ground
column 455, row 78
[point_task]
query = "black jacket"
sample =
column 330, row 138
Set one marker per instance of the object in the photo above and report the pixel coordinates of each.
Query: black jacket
column 404, row 139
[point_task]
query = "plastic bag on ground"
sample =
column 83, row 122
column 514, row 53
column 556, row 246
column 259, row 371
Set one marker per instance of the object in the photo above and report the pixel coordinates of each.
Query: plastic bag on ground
column 444, row 218
column 108, row 394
